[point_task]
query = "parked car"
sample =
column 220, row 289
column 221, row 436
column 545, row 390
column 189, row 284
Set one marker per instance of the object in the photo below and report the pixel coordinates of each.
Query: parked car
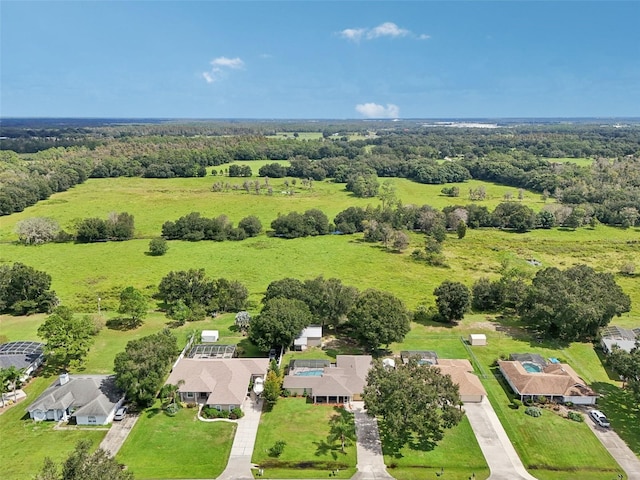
column 272, row 354
column 120, row 414
column 599, row 418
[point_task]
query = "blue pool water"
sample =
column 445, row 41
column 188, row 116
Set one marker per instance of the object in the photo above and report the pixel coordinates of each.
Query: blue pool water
column 309, row 373
column 531, row 367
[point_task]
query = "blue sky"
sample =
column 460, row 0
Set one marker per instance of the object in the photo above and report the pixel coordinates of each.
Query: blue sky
column 319, row 59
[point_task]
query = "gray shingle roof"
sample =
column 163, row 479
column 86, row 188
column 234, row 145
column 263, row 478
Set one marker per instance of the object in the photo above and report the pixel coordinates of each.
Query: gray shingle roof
column 88, row 394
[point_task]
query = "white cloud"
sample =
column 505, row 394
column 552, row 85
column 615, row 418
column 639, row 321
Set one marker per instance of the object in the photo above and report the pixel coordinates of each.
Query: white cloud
column 354, row 34
column 374, row 110
column 234, row 63
column 219, row 66
column 386, row 29
column 208, row 77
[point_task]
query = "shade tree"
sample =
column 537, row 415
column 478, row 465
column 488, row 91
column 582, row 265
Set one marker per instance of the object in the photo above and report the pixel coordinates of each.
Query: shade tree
column 67, row 338
column 572, row 304
column 279, row 323
column 141, row 369
column 415, row 402
column 25, row 290
column 453, row 300
column 378, row 318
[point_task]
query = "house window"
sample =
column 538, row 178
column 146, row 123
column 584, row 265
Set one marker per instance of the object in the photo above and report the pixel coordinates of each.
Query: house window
column 218, row 407
column 189, row 394
column 91, row 419
column 203, row 394
column 231, row 407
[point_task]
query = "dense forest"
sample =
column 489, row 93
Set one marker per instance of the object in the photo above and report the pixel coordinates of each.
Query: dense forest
column 40, row 158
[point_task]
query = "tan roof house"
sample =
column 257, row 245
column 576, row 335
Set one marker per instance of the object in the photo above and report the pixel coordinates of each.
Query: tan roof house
column 341, row 382
column 461, row 372
column 556, row 381
column 221, row 383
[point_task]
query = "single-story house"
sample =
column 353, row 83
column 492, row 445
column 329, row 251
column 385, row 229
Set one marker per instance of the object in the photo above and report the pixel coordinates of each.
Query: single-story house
column 477, row 339
column 341, row 382
column 26, row 356
column 622, row 337
column 556, row 381
column 221, row 383
column 424, row 356
column 309, row 337
column 209, row 336
column 90, row 399
column 461, row 372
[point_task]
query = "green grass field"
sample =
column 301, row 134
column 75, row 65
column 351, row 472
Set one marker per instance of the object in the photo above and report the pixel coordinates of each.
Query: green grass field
column 304, row 426
column 176, row 447
column 583, row 162
column 458, row 453
column 82, row 273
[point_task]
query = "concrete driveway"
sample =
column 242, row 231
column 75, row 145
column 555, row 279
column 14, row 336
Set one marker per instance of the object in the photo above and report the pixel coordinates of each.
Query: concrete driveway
column 117, row 434
column 502, row 458
column 617, row 448
column 369, row 447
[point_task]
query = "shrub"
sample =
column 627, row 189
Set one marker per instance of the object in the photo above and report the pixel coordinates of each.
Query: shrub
column 172, row 409
column 533, row 411
column 158, row 246
column 236, row 413
column 575, row 416
column 277, row 448
column 541, row 399
column 516, row 403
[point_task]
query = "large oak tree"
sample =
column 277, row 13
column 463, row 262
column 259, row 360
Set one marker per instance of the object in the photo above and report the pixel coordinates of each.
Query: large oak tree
column 415, row 402
column 573, row 304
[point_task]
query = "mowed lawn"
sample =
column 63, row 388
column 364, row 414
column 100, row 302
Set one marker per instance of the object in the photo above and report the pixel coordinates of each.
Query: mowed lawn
column 307, row 454
column 551, row 447
column 24, row 444
column 160, row 446
column 458, row 455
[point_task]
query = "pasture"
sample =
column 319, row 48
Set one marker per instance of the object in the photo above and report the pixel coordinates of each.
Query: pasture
column 83, row 272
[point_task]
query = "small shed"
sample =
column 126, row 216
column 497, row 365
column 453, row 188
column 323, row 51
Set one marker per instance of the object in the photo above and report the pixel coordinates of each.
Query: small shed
column 477, row 339
column 210, row 336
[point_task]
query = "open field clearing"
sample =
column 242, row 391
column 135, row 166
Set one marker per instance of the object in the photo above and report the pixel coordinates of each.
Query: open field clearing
column 583, row 162
column 155, row 201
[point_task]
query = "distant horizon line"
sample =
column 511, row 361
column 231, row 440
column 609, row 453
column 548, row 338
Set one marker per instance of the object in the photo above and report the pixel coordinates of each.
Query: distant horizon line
column 599, row 117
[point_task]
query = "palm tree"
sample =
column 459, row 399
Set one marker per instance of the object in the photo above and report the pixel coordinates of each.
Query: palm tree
column 343, row 429
column 169, row 392
column 4, row 385
column 12, row 376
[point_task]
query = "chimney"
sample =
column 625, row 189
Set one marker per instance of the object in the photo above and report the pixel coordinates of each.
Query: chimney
column 64, row 378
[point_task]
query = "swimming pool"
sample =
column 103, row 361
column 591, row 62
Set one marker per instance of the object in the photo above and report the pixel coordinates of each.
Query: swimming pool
column 532, row 367
column 310, row 373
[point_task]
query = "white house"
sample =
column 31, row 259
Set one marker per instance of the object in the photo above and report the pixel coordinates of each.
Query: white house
column 90, row 399
column 309, row 337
